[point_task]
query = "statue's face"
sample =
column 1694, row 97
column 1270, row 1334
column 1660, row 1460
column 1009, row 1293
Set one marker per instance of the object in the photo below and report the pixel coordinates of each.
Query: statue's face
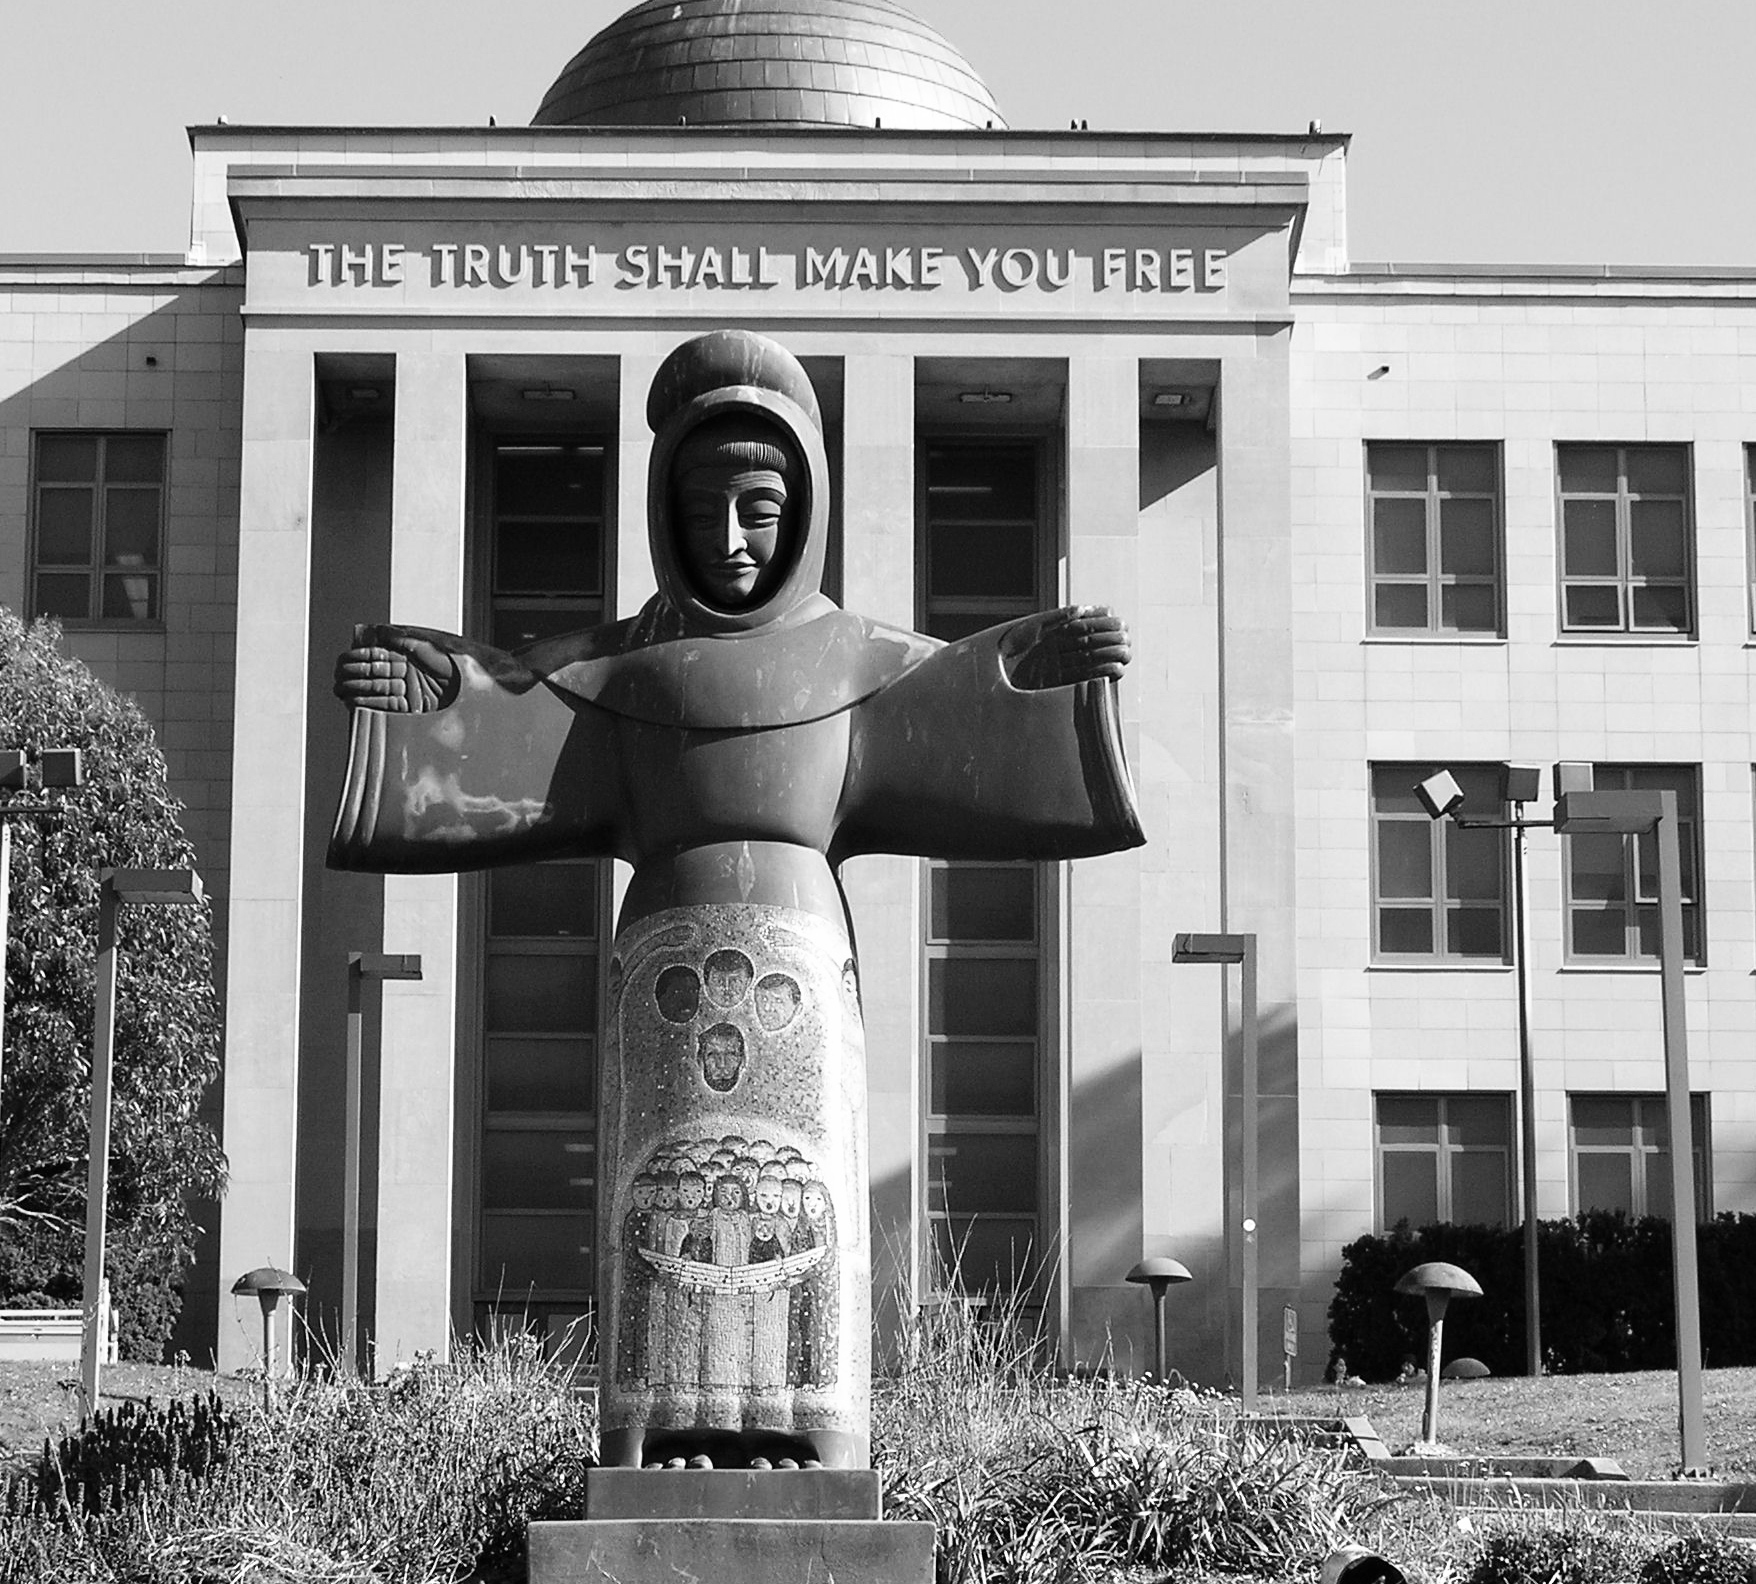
column 666, row 1197
column 768, row 1196
column 690, row 1192
column 728, row 1194
column 814, row 1204
column 644, row 1193
column 732, row 521
column 791, row 1197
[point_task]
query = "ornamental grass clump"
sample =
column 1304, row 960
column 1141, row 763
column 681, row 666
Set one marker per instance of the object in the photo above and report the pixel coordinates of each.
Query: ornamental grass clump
column 1571, row 1548
column 432, row 1476
column 1705, row 1558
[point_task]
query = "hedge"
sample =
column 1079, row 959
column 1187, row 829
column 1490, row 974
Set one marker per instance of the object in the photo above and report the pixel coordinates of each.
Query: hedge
column 1605, row 1282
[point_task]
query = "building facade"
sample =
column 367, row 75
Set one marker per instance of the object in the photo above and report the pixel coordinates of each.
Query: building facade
column 1364, row 522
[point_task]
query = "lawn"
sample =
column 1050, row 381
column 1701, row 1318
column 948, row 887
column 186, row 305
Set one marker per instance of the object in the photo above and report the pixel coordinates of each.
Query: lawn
column 1631, row 1418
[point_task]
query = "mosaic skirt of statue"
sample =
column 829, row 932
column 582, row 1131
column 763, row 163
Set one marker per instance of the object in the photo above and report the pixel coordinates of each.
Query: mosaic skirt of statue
column 732, row 1203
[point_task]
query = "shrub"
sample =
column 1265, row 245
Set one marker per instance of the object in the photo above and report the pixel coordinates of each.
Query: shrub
column 1705, row 1558
column 1574, row 1551
column 112, row 1458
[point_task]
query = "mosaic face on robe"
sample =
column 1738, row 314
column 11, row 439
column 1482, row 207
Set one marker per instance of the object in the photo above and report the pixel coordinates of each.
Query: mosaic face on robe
column 734, row 742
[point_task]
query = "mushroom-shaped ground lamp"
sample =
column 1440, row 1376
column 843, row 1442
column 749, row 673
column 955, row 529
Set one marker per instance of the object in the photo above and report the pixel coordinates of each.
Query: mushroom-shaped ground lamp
column 269, row 1286
column 1438, row 1283
column 1160, row 1274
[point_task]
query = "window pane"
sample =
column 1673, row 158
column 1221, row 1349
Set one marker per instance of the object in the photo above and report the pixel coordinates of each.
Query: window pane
column 1411, row 1186
column 517, row 626
column 976, row 995
column 1473, row 932
column 1657, row 538
column 541, row 1075
column 1473, row 870
column 1661, row 609
column 1603, row 1119
column 549, row 558
column 1469, row 607
column 134, row 459
column 1593, row 605
column 537, row 1170
column 991, row 558
column 981, row 482
column 131, row 528
column 974, row 1173
column 64, row 527
column 1599, row 932
column 520, row 1252
column 1405, row 931
column 63, row 594
column 1466, row 536
column 541, row 994
column 556, row 900
column 131, row 597
column 1469, row 469
column 1408, row 1119
column 950, row 626
column 1393, row 788
column 1656, row 470
column 1588, row 468
column 1397, row 467
column 1656, row 1166
column 548, row 482
column 1477, row 1120
column 1399, row 537
column 1478, row 1187
column 1405, row 859
column 970, row 902
column 1589, row 539
column 983, row 1078
column 1606, row 1182
column 1400, row 605
column 989, row 1253
column 67, row 459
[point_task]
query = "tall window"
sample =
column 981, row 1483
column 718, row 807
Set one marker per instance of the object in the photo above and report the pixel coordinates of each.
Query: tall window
column 1627, row 562
column 1433, row 537
column 536, row 1186
column 1444, row 1157
column 1612, row 881
column 987, row 924
column 1438, row 888
column 1620, row 1146
column 96, row 543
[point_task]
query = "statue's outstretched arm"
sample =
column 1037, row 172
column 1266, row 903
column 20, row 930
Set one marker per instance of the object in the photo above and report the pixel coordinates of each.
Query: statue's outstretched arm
column 1006, row 744
column 460, row 758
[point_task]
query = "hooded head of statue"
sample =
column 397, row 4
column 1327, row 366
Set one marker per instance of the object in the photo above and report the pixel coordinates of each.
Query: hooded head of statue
column 737, row 496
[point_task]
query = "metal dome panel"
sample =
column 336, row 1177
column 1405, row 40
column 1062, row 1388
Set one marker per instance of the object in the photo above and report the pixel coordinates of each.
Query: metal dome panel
column 768, row 62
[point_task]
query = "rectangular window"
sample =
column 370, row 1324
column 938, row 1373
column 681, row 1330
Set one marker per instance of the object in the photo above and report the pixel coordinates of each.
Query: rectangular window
column 97, row 533
column 1444, row 1157
column 1433, row 537
column 1612, row 881
column 986, row 944
column 540, row 935
column 1627, row 542
column 1439, row 889
column 1619, row 1148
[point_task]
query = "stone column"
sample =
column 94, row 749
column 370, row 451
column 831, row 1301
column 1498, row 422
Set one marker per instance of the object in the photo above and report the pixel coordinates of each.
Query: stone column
column 268, row 823
column 1256, row 746
column 878, row 580
column 1101, row 1102
column 416, row 1145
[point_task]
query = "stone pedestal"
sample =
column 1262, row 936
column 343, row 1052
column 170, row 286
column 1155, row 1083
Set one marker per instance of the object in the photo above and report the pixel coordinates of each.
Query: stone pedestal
column 731, row 1526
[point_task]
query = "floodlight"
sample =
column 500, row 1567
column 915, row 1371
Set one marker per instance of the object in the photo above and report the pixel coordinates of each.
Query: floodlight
column 1440, row 794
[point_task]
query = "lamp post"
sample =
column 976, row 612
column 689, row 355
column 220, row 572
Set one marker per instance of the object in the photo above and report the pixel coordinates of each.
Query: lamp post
column 115, row 886
column 1240, row 949
column 1637, row 814
column 361, row 967
column 268, row 1286
column 1159, row 1273
column 1441, row 796
column 27, row 771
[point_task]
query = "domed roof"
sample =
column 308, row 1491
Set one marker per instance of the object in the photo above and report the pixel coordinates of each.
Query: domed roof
column 771, row 63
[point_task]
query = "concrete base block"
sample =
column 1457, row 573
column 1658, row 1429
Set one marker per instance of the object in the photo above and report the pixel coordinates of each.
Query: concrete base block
column 733, row 1493
column 730, row 1551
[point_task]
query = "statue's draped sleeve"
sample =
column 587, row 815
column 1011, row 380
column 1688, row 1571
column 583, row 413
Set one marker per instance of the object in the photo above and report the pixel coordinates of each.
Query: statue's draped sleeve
column 952, row 761
column 505, row 771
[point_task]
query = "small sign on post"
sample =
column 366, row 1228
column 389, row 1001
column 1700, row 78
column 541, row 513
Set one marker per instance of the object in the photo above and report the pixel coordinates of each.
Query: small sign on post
column 1289, row 1340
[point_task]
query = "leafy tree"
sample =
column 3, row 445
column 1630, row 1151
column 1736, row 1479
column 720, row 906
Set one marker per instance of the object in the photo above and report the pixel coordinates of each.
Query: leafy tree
column 167, row 1025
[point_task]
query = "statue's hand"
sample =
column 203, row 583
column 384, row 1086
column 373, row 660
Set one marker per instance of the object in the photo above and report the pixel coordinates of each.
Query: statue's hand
column 1077, row 643
column 390, row 668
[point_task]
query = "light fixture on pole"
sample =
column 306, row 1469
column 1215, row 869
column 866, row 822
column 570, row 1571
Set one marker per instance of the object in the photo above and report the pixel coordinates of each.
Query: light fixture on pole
column 175, row 887
column 1240, row 949
column 1160, row 1274
column 27, row 771
column 268, row 1285
column 361, row 967
column 1638, row 814
column 1442, row 797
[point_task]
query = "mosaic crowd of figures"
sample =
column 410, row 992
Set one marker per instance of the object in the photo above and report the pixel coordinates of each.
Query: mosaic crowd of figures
column 729, row 1262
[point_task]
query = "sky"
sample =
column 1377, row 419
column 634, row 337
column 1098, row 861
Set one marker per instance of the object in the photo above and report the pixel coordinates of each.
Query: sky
column 1485, row 131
